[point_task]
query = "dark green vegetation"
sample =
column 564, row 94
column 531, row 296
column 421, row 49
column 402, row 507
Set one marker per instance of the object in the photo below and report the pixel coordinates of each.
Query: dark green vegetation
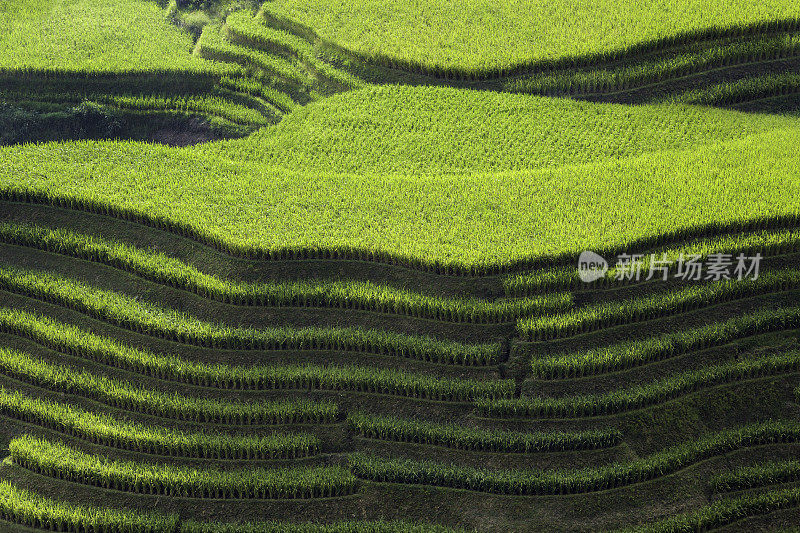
column 356, row 309
column 595, row 417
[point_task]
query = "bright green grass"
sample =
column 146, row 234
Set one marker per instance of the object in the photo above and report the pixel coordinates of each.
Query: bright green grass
column 427, row 131
column 570, row 195
column 482, row 35
column 92, row 36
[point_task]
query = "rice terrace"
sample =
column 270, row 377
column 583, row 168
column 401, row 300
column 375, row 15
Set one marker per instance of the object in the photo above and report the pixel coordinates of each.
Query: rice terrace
column 378, row 266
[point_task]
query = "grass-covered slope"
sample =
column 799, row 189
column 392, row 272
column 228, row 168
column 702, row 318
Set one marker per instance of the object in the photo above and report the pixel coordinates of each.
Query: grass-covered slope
column 632, row 177
column 92, row 36
column 429, row 131
column 470, row 37
column 365, row 316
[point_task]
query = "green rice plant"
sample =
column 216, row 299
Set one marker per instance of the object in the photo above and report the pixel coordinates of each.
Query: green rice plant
column 212, row 45
column 757, row 476
column 723, row 512
column 477, row 39
column 443, row 202
column 64, row 36
column 666, row 303
column 19, row 506
column 744, row 90
column 242, row 28
column 767, row 243
column 626, row 355
column 217, row 104
column 56, row 460
column 147, row 319
column 475, row 439
column 123, row 395
column 161, row 268
column 589, row 479
column 279, row 99
column 640, row 396
column 108, row 431
column 476, row 132
column 299, row 377
column 694, row 58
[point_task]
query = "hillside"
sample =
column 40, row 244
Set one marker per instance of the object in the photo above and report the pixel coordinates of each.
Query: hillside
column 311, row 267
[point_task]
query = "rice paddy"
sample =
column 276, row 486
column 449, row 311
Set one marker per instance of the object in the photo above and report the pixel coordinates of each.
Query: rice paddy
column 314, row 266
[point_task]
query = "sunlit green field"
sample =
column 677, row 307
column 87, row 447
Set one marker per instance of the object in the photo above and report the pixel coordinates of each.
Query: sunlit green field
column 92, row 36
column 452, row 176
column 483, row 35
column 310, row 267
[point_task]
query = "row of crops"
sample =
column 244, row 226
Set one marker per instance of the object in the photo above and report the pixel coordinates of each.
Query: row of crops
column 692, row 59
column 519, row 482
column 101, row 445
column 459, row 40
column 142, row 317
column 665, row 303
column 638, row 397
column 24, row 507
column 57, row 460
column 545, row 323
column 123, row 395
column 108, row 431
column 87, row 346
column 630, row 354
column 161, row 268
column 767, row 243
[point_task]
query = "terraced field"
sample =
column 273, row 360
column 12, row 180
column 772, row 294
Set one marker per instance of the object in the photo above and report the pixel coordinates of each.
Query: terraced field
column 352, row 304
